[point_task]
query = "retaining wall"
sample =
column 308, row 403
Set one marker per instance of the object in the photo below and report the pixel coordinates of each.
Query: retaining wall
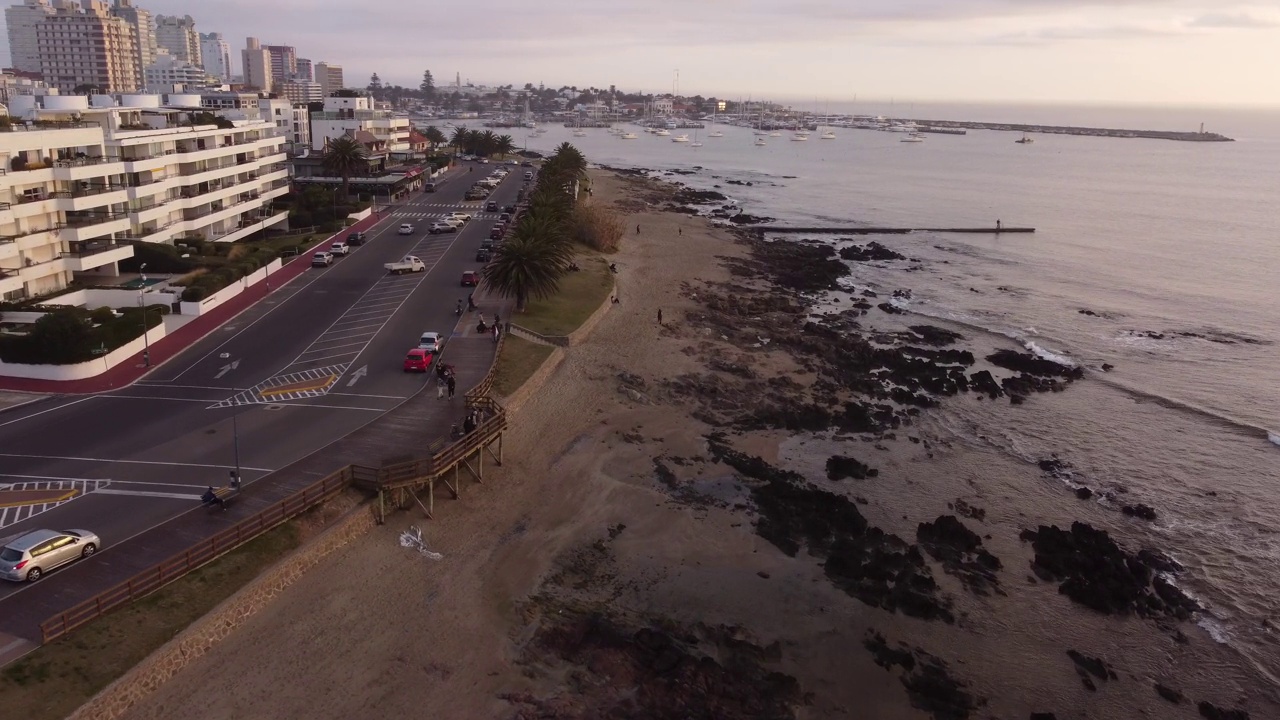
column 515, row 400
column 88, row 368
column 199, row 308
column 119, row 697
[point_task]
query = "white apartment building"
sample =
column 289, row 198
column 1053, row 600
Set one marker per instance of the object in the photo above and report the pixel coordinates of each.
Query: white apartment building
column 300, row 130
column 178, row 35
column 347, row 115
column 301, row 92
column 167, row 71
column 12, row 85
column 92, row 178
column 215, row 52
column 306, row 71
column 87, row 46
column 144, row 30
column 229, row 100
column 329, row 76
column 257, row 65
column 21, row 20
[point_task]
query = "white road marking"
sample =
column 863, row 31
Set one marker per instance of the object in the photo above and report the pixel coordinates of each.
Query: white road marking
column 146, row 493
column 380, row 397
column 332, row 407
column 42, row 412
column 335, row 347
column 158, row 397
column 185, row 387
column 48, row 477
column 130, row 462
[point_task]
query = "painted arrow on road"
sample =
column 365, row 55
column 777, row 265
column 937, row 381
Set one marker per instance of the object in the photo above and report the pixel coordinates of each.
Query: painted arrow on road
column 364, row 370
column 227, row 368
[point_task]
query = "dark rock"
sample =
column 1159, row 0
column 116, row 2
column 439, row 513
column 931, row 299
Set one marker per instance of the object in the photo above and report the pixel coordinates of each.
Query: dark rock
column 1107, row 367
column 926, row 678
column 869, row 564
column 746, row 219
column 840, row 467
column 1043, row 716
column 886, row 307
column 1090, row 313
column 1086, row 665
column 871, row 251
column 1144, row 512
column 972, row 512
column 1032, row 365
column 960, row 551
column 1212, row 712
column 763, row 574
column 1084, row 493
column 665, row 475
column 1100, row 575
column 983, row 383
column 935, row 336
column 1169, row 694
column 698, row 197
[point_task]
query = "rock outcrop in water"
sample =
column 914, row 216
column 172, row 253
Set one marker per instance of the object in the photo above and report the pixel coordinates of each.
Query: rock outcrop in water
column 927, row 679
column 840, row 467
column 960, row 551
column 1098, row 574
column 871, row 251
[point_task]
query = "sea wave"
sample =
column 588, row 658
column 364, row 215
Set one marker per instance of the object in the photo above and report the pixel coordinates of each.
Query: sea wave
column 1219, row 418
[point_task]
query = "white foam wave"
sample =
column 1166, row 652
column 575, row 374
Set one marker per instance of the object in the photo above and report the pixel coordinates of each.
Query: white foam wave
column 1216, row 629
column 1049, row 355
column 1273, row 437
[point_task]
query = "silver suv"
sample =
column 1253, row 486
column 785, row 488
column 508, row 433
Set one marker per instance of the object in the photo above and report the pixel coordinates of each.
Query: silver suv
column 30, row 556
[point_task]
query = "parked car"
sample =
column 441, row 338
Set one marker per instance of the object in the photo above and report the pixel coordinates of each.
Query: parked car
column 417, row 360
column 484, row 161
column 486, row 244
column 464, row 217
column 470, row 278
column 496, row 233
column 504, row 217
column 442, row 227
column 528, row 175
column 28, row 557
column 456, row 223
column 405, row 229
column 322, row 259
column 483, row 255
column 508, row 209
column 526, row 163
column 491, row 206
column 339, row 249
column 431, row 342
column 355, row 239
column 429, row 188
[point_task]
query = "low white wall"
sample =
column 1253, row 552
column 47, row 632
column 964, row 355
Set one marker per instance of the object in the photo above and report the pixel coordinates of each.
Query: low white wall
column 87, row 369
column 15, row 316
column 95, row 298
column 356, row 217
column 232, row 290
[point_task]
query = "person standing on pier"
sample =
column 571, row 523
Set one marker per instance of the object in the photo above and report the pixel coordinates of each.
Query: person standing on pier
column 997, row 224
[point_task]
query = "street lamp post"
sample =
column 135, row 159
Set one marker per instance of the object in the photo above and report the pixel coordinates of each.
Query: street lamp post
column 235, row 435
column 146, row 331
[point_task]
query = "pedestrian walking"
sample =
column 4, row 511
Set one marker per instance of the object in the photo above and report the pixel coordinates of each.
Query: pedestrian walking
column 637, row 229
column 496, row 333
column 680, row 231
column 440, row 388
column 659, row 316
column 452, row 384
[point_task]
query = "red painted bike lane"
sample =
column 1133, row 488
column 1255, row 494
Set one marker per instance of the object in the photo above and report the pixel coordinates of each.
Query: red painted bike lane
column 131, row 370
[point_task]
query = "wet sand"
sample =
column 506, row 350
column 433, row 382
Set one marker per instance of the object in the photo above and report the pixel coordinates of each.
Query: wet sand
column 620, row 563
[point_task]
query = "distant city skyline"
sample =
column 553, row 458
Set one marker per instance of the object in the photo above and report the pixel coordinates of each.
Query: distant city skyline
column 1176, row 52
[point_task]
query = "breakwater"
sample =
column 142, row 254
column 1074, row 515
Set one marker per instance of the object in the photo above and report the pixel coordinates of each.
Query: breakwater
column 1194, row 136
column 891, row 231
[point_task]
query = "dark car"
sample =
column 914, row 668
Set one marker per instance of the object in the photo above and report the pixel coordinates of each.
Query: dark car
column 483, row 255
column 486, row 244
column 526, row 163
column 491, row 206
column 470, row 278
column 355, row 238
column 509, row 209
column 429, row 187
column 495, row 233
column 504, row 217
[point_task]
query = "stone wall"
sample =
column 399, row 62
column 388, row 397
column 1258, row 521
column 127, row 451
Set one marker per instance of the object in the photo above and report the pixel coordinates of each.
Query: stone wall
column 531, row 386
column 577, row 336
column 117, row 698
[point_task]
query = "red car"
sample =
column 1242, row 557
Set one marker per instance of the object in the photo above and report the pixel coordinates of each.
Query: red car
column 418, row 360
column 470, row 278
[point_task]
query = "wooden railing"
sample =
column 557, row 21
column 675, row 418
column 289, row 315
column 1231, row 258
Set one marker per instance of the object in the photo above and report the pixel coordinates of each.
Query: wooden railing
column 200, row 554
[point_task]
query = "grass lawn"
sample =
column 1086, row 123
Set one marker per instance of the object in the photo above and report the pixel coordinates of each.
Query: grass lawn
column 580, row 294
column 519, row 360
column 54, row 680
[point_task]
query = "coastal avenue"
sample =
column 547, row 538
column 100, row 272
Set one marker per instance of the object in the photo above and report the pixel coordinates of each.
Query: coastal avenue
column 143, row 454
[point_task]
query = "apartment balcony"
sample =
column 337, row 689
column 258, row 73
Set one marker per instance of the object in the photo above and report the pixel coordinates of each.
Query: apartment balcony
column 33, row 206
column 8, row 248
column 29, row 239
column 33, row 270
column 251, row 223
column 10, row 281
column 6, row 213
column 154, row 209
column 85, row 168
column 85, row 226
column 95, row 254
column 160, row 233
column 88, row 196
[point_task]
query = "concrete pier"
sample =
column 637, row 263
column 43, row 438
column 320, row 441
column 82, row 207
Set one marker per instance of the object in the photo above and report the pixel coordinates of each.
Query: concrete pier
column 891, row 231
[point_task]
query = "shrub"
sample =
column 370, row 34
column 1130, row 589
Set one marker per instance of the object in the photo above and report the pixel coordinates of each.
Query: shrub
column 195, row 293
column 597, row 228
column 102, row 315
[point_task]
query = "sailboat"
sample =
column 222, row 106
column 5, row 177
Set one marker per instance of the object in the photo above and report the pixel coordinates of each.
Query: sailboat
column 828, row 135
column 715, row 132
column 1026, row 140
column 695, row 142
column 680, row 139
column 760, row 141
column 799, row 137
column 578, row 131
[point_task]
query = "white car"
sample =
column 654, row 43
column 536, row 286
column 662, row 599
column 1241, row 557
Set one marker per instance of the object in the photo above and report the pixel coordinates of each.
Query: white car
column 339, row 248
column 431, row 342
column 457, row 223
column 405, row 229
column 464, row 217
column 30, row 556
column 322, row 259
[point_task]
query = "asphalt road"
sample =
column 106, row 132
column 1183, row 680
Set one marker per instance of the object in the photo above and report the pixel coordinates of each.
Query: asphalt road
column 144, row 454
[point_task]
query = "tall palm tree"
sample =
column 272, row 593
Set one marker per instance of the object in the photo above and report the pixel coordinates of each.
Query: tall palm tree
column 573, row 158
column 487, row 143
column 459, row 140
column 345, row 157
column 526, row 269
column 506, row 145
column 434, row 136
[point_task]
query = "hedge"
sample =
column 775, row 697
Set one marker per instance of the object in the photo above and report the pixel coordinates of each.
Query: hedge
column 69, row 336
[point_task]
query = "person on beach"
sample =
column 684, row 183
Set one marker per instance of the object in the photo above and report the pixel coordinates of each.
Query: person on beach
column 452, row 384
column 659, row 316
column 680, row 231
column 997, row 224
column 637, row 229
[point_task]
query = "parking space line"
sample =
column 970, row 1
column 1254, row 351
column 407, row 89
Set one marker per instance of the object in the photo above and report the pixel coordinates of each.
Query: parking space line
column 326, row 357
column 335, row 347
column 146, row 493
column 343, row 336
column 49, row 410
column 357, row 327
column 222, row 466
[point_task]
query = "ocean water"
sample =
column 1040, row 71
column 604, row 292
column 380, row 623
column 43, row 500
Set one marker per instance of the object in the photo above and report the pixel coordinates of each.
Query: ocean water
column 1175, row 249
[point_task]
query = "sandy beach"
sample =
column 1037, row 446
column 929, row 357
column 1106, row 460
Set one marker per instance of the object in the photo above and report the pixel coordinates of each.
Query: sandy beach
column 669, row 537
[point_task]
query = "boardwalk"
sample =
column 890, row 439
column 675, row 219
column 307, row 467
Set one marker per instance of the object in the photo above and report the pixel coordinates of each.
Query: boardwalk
column 416, row 428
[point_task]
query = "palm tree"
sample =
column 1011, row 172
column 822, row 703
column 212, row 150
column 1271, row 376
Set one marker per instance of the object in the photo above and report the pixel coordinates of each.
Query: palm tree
column 460, row 134
column 487, row 143
column 573, row 159
column 434, row 136
column 505, row 146
column 345, row 157
column 526, row 269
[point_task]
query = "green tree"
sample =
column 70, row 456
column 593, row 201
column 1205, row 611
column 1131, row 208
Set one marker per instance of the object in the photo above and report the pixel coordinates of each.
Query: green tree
column 505, row 145
column 529, row 265
column 461, row 135
column 345, row 157
column 487, row 143
column 62, row 337
column 434, row 136
column 375, row 85
column 428, row 86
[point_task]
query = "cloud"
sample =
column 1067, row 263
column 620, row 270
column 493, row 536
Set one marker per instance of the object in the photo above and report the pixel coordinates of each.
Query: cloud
column 1232, row 21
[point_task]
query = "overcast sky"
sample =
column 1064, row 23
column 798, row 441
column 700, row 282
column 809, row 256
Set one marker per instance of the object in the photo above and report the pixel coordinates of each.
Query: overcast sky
column 1185, row 52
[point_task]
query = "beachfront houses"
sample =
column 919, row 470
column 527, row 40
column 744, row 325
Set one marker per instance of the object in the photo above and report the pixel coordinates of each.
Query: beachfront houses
column 86, row 177
column 352, row 115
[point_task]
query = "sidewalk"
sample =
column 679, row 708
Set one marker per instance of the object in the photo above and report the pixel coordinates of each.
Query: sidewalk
column 131, row 370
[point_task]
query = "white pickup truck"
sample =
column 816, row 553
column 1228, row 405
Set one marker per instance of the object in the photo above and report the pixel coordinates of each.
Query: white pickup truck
column 410, row 264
